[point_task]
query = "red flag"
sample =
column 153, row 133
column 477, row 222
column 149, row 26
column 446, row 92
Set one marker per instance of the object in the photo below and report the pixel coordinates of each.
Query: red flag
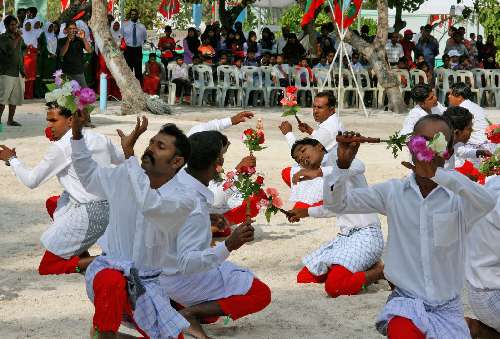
column 350, row 10
column 110, row 6
column 311, row 8
column 64, row 5
column 169, row 7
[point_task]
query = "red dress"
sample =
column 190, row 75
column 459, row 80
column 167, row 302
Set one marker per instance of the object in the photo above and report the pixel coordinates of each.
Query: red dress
column 29, row 60
column 151, row 84
column 113, row 89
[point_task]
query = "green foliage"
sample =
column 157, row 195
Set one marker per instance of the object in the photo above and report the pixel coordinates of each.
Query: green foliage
column 489, row 14
column 406, row 5
column 292, row 18
column 53, row 9
column 250, row 23
column 147, row 10
column 372, row 24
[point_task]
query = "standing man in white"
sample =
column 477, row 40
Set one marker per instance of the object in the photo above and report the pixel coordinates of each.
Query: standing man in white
column 135, row 36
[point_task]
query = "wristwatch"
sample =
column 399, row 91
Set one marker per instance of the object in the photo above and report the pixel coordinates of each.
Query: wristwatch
column 7, row 162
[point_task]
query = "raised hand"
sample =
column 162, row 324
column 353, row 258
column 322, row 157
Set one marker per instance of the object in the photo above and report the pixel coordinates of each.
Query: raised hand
column 285, row 127
column 305, row 128
column 128, row 141
column 6, row 153
column 248, row 161
column 241, row 235
column 78, row 121
column 306, row 174
column 241, row 117
column 296, row 214
column 424, row 169
column 347, row 149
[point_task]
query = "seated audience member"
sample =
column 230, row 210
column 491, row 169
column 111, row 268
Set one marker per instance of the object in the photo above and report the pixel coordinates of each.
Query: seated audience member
column 180, row 77
column 151, row 83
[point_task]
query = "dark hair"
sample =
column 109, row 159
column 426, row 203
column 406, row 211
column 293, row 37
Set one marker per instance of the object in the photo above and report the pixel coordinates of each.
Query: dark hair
column 70, row 23
column 206, row 147
column 223, row 139
column 20, row 10
column 33, row 10
column 62, row 110
column 169, row 28
column 421, row 92
column 435, row 118
column 460, row 89
column 152, row 54
column 305, row 141
column 458, row 117
column 182, row 145
column 332, row 101
column 8, row 19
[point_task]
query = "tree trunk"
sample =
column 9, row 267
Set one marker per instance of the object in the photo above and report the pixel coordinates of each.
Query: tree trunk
column 375, row 54
column 133, row 98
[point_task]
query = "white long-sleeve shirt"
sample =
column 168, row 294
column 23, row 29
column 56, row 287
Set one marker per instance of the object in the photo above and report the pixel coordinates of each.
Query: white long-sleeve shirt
column 482, row 264
column 479, row 124
column 57, row 162
column 127, row 188
column 426, row 241
column 140, row 33
column 326, row 133
column 212, row 125
column 461, row 153
column 415, row 114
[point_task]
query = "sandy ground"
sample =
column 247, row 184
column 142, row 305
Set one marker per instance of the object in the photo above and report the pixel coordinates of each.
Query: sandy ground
column 57, row 306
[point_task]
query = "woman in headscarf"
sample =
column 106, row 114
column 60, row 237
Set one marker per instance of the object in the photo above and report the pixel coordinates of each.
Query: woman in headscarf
column 267, row 41
column 30, row 38
column 293, row 50
column 46, row 60
column 113, row 89
column 191, row 44
column 251, row 45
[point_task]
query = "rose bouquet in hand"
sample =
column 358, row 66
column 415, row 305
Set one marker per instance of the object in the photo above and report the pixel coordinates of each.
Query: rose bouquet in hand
column 271, row 201
column 491, row 166
column 243, row 181
column 70, row 95
column 254, row 139
column 493, row 133
column 427, row 150
column 289, row 102
column 472, row 172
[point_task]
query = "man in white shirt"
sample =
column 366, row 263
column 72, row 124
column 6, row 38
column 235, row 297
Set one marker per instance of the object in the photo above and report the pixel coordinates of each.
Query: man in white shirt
column 460, row 95
column 429, row 214
column 180, row 77
column 125, row 279
column 426, row 102
column 81, row 216
column 329, row 126
column 201, row 279
column 394, row 50
column 135, row 36
column 482, row 270
column 351, row 261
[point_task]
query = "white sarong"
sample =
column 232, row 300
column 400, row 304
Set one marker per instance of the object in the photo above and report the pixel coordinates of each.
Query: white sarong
column 445, row 321
column 76, row 226
column 486, row 305
column 153, row 312
column 357, row 251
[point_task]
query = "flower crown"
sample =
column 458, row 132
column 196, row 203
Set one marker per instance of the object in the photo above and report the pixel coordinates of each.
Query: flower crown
column 70, row 95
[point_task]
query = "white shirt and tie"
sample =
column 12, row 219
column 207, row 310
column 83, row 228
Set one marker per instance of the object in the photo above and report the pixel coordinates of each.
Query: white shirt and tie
column 134, row 33
column 426, row 241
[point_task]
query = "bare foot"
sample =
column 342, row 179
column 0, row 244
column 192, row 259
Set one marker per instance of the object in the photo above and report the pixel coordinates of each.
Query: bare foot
column 478, row 330
column 375, row 273
column 195, row 329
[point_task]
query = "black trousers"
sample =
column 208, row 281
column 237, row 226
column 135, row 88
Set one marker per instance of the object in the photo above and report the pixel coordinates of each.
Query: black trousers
column 180, row 85
column 133, row 57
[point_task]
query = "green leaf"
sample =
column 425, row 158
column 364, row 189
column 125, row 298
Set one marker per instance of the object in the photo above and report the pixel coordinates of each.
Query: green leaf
column 51, row 87
column 88, row 109
column 268, row 215
column 70, row 104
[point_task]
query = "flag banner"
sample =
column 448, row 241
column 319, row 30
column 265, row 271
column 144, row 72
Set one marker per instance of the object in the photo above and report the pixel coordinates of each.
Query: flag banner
column 348, row 9
column 311, row 7
column 169, row 7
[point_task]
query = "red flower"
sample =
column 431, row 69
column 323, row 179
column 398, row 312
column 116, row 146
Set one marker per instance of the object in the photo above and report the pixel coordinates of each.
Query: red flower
column 260, row 134
column 248, row 131
column 471, row 172
column 493, row 133
column 247, row 170
column 48, row 134
column 259, row 180
column 291, row 90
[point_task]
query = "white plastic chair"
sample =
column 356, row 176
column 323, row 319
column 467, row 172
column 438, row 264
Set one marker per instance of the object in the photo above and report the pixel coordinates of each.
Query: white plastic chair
column 324, row 77
column 403, row 74
column 416, row 75
column 483, row 79
column 366, row 86
column 252, row 82
column 300, row 74
column 495, row 85
column 348, row 86
column 203, row 81
column 468, row 78
column 444, row 79
column 272, row 89
column 229, row 78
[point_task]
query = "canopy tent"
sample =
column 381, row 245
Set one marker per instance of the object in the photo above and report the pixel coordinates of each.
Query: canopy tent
column 439, row 7
column 273, row 3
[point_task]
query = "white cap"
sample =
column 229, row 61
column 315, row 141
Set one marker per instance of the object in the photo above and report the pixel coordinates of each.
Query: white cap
column 454, row 53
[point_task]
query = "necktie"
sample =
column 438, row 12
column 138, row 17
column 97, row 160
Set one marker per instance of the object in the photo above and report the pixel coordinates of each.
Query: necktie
column 134, row 36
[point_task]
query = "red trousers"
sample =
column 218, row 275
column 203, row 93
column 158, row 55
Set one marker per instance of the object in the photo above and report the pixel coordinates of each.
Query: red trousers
column 53, row 264
column 256, row 299
column 338, row 281
column 51, row 205
column 402, row 328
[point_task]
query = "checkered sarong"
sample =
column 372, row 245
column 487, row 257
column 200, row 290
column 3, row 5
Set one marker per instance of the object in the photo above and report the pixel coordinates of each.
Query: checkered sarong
column 445, row 321
column 153, row 312
column 357, row 251
column 486, row 305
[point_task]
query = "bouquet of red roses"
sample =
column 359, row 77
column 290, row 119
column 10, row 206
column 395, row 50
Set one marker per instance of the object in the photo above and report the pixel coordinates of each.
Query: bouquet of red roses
column 254, row 139
column 289, row 102
column 472, row 172
column 493, row 133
